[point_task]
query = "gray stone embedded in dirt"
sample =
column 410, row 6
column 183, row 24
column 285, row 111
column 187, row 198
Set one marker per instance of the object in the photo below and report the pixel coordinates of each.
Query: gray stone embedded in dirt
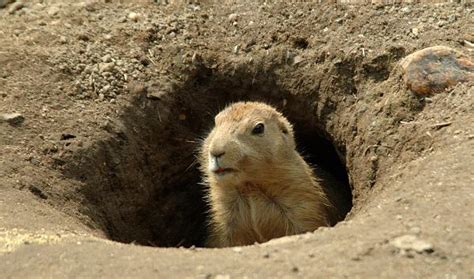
column 12, row 118
column 412, row 243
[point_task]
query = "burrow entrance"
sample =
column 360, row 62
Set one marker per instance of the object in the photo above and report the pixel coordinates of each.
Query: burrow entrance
column 142, row 184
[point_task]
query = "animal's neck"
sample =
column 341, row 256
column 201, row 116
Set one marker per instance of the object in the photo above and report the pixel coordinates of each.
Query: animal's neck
column 282, row 177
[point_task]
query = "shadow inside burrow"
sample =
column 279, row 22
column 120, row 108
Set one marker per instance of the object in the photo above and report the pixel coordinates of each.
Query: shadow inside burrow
column 141, row 183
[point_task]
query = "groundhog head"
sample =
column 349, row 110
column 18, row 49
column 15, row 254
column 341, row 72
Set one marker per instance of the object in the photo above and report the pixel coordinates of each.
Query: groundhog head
column 248, row 138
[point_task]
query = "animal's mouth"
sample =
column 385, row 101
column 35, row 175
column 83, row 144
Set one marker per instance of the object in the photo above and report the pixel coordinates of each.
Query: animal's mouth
column 223, row 171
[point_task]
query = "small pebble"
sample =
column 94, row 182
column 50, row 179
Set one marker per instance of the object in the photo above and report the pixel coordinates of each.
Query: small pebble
column 159, row 94
column 106, row 58
column 134, row 16
column 63, row 39
column 236, row 49
column 15, row 7
column 13, row 119
column 412, row 243
column 237, row 249
column 106, row 67
column 53, row 11
column 406, row 10
column 233, row 17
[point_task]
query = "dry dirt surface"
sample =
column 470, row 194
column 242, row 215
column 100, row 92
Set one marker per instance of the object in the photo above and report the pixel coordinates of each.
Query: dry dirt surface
column 103, row 105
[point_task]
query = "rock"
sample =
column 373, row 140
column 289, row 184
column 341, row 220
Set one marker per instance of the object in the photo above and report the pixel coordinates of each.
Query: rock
column 106, row 67
column 196, row 59
column 54, row 10
column 133, row 16
column 63, row 39
column 83, row 37
column 106, row 88
column 432, row 70
column 237, row 249
column 106, row 58
column 13, row 119
column 412, row 243
column 156, row 94
column 233, row 17
column 297, row 60
column 236, row 49
column 15, row 7
column 406, row 10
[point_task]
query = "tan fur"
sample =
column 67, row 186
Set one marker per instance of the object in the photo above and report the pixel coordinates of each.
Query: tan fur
column 271, row 192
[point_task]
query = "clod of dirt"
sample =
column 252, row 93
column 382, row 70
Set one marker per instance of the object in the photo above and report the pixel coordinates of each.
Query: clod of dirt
column 432, row 70
column 412, row 243
column 13, row 119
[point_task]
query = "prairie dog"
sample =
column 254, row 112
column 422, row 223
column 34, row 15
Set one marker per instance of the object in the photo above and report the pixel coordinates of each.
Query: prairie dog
column 259, row 186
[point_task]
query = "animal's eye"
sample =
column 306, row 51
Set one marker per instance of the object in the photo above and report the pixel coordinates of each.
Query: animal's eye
column 258, row 129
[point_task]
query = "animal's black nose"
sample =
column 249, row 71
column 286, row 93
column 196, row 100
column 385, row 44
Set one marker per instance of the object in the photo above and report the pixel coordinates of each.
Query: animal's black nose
column 217, row 153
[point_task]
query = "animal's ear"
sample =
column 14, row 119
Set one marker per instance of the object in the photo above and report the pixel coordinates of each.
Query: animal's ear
column 285, row 126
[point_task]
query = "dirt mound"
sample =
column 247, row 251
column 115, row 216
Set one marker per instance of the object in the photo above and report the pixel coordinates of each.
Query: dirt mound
column 114, row 99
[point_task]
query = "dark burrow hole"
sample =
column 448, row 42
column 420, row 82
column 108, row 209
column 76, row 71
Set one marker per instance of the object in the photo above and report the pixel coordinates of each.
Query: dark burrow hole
column 141, row 183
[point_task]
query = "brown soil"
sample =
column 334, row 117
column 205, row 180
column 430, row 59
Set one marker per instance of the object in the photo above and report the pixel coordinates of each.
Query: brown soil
column 102, row 171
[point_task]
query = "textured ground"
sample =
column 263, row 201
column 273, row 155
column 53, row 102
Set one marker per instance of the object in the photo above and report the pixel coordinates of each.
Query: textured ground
column 113, row 97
